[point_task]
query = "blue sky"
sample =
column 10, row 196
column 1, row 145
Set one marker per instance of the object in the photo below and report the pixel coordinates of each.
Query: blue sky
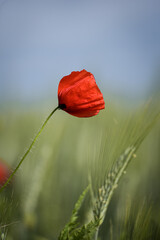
column 43, row 40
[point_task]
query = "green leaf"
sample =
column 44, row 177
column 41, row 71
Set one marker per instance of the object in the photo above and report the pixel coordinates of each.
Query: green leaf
column 73, row 224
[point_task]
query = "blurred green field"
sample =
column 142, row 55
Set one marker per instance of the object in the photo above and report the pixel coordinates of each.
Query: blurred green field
column 38, row 202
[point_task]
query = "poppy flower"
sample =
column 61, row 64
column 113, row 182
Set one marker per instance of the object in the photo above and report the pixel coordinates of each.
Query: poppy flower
column 79, row 95
column 4, row 172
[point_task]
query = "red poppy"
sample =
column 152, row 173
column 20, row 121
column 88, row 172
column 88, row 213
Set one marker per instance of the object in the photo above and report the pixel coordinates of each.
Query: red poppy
column 4, row 172
column 79, row 95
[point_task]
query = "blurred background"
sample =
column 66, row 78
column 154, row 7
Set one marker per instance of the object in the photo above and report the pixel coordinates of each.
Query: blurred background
column 40, row 42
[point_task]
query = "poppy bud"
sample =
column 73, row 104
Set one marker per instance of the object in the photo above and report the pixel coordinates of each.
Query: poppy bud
column 4, row 172
column 79, row 95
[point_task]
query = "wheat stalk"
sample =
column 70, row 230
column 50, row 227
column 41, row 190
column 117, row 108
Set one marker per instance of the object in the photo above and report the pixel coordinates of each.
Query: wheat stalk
column 106, row 191
column 113, row 177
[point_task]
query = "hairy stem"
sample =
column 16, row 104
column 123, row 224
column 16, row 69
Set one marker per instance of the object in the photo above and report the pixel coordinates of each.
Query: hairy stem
column 28, row 150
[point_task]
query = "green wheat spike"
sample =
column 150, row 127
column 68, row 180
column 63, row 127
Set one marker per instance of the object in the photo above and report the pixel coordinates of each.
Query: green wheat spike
column 106, row 191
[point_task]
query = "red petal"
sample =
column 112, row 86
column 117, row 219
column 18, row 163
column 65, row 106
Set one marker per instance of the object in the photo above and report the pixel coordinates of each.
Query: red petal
column 80, row 94
column 4, row 173
column 72, row 78
column 84, row 113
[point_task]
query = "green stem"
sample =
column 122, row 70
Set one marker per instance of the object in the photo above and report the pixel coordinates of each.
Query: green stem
column 28, row 150
column 96, row 234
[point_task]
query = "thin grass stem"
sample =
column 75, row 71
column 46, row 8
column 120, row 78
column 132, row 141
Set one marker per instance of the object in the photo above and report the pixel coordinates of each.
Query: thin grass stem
column 28, row 150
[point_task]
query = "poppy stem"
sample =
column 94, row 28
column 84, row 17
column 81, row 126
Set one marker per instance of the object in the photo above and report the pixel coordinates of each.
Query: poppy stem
column 29, row 149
